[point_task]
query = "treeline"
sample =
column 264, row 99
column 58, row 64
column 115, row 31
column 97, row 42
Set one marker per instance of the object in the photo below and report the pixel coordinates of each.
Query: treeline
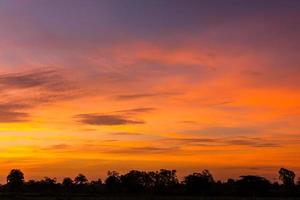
column 163, row 182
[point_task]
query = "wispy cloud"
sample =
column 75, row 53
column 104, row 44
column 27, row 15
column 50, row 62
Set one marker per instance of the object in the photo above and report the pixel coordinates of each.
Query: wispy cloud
column 12, row 112
column 144, row 150
column 118, row 117
column 48, row 78
column 13, row 116
column 13, row 106
column 252, row 142
column 144, row 95
column 135, row 110
column 226, row 130
column 23, row 91
column 61, row 146
column 109, row 120
column 224, row 141
column 220, row 103
column 126, row 134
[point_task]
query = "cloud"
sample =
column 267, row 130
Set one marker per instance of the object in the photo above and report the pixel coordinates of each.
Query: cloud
column 126, row 134
column 12, row 116
column 10, row 112
column 189, row 122
column 26, row 90
column 144, row 95
column 13, row 106
column 226, row 131
column 57, row 147
column 39, row 85
column 119, row 117
column 144, row 150
column 109, row 120
column 47, row 78
column 253, row 142
column 136, row 110
column 222, row 141
column 39, row 80
column 221, row 103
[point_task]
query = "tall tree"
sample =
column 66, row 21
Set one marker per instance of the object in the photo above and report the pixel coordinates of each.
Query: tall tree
column 113, row 181
column 15, row 179
column 67, row 182
column 287, row 177
column 199, row 182
column 80, row 179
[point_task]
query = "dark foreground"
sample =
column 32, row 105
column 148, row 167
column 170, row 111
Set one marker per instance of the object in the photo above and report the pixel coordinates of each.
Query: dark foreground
column 89, row 197
column 162, row 184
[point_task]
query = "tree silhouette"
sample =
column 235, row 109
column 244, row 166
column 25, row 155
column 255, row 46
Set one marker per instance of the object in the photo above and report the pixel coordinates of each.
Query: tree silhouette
column 67, row 182
column 80, row 179
column 113, row 181
column 287, row 177
column 15, row 179
column 199, row 182
column 48, row 181
column 134, row 181
column 97, row 182
column 48, row 184
column 162, row 182
column 165, row 180
column 253, row 185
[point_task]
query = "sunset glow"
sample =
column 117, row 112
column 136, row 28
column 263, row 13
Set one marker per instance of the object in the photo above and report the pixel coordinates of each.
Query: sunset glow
column 92, row 86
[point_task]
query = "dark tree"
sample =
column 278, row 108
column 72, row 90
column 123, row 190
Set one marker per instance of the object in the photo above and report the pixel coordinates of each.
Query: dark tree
column 48, row 181
column 96, row 186
column 134, row 181
column 15, row 179
column 166, row 177
column 48, row 184
column 287, row 177
column 97, row 182
column 113, row 181
column 67, row 182
column 199, row 182
column 230, row 181
column 80, row 179
column 253, row 186
column 165, row 181
column 229, row 187
column 150, row 180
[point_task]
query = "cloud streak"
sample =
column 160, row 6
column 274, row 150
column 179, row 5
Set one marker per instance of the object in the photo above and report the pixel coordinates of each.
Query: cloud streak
column 10, row 112
column 22, row 92
column 106, row 120
column 144, row 95
column 222, row 141
column 144, row 150
column 13, row 116
column 46, row 78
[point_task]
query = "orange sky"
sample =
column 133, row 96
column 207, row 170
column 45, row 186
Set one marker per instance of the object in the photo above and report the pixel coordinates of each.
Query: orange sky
column 98, row 92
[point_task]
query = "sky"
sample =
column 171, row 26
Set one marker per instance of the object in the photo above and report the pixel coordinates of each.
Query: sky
column 92, row 86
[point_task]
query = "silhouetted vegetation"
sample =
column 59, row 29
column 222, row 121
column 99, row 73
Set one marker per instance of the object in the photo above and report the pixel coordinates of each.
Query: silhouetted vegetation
column 162, row 182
